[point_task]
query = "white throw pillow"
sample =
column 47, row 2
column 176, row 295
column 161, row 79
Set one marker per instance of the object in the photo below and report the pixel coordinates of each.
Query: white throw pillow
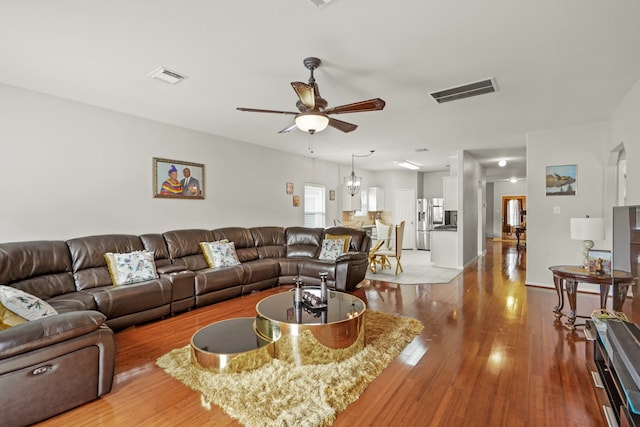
column 25, row 305
column 331, row 249
column 221, row 253
column 132, row 267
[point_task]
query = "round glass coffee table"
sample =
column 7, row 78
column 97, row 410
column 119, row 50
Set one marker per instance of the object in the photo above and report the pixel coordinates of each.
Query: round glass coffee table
column 231, row 346
column 306, row 335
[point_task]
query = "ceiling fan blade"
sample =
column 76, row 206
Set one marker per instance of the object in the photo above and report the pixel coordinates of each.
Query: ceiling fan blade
column 257, row 110
column 343, row 126
column 288, row 128
column 374, row 104
column 306, row 93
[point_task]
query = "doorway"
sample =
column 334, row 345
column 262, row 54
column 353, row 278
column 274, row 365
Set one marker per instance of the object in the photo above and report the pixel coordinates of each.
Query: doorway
column 514, row 215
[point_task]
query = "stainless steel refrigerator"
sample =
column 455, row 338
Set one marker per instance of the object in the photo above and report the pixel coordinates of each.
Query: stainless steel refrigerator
column 430, row 214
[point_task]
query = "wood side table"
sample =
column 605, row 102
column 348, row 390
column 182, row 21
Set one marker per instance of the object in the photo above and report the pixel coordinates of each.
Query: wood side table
column 568, row 277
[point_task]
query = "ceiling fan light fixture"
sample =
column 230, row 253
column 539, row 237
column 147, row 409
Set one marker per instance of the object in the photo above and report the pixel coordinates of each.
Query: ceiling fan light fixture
column 312, row 122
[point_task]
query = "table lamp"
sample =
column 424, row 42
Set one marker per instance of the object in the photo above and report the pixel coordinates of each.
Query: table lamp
column 587, row 229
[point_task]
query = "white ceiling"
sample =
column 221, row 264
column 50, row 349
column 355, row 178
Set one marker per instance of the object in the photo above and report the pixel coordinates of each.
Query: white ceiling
column 556, row 63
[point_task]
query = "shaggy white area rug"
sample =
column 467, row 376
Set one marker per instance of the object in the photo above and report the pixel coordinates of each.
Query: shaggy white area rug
column 281, row 394
column 418, row 269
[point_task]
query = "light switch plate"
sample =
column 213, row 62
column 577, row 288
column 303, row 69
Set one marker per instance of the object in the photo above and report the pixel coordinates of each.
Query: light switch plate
column 556, row 210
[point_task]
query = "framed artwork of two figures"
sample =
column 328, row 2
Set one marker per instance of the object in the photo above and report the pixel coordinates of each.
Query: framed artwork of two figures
column 177, row 179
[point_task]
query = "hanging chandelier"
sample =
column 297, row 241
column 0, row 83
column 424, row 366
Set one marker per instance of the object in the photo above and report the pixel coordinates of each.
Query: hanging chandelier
column 352, row 182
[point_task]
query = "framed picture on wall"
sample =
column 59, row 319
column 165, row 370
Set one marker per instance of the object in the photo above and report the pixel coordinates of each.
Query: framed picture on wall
column 599, row 261
column 332, row 194
column 562, row 180
column 289, row 187
column 177, row 179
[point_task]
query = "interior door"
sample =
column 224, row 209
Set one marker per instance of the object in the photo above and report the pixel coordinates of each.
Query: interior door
column 404, row 210
column 513, row 215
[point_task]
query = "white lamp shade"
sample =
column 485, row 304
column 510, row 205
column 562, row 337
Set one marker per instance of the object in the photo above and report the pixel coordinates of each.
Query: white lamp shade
column 312, row 122
column 587, row 228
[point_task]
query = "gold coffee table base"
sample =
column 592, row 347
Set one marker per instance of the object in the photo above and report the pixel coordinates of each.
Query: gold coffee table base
column 231, row 346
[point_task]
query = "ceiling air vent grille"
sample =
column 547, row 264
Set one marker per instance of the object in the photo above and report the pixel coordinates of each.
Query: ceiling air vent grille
column 465, row 91
column 167, row 75
column 322, row 3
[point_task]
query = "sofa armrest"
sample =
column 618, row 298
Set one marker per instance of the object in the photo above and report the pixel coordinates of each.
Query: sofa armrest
column 47, row 331
column 351, row 256
column 170, row 268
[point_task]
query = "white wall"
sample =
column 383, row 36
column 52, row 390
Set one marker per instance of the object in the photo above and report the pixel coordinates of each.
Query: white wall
column 625, row 128
column 73, row 170
column 500, row 189
column 548, row 241
column 468, row 184
column 432, row 185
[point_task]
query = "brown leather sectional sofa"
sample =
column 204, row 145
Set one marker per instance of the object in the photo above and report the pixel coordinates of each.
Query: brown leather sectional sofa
column 60, row 362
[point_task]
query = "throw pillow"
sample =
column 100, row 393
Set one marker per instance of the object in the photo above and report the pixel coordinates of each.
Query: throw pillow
column 221, row 253
column 331, row 249
column 19, row 307
column 8, row 318
column 346, row 237
column 132, row 267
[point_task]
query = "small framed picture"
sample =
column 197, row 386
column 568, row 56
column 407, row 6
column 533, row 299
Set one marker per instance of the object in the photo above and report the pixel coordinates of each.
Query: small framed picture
column 562, row 180
column 599, row 262
column 289, row 187
column 332, row 194
column 177, row 179
column 296, row 201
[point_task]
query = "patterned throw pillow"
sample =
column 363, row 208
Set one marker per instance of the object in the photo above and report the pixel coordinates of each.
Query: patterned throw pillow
column 331, row 249
column 132, row 267
column 221, row 253
column 18, row 306
column 346, row 237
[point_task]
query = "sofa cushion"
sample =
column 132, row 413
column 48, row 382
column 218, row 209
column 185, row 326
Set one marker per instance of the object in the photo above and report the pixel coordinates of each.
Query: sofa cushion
column 270, row 241
column 220, row 254
column 331, row 248
column 241, row 238
column 303, row 241
column 41, row 268
column 184, row 247
column 87, row 254
column 132, row 267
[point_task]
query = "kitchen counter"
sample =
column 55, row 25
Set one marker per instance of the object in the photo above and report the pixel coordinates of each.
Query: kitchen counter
column 444, row 248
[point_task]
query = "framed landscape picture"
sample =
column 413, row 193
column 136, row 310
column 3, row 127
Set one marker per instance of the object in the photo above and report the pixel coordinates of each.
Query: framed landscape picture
column 177, row 179
column 562, row 180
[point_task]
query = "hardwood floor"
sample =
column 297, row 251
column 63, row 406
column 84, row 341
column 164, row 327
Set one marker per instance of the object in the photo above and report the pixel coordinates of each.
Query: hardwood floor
column 491, row 354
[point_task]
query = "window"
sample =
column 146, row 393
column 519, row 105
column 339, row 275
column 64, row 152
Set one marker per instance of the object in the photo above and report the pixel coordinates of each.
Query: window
column 314, row 206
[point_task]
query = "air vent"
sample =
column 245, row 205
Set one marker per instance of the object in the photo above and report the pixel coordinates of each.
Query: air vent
column 322, row 3
column 167, row 76
column 465, row 91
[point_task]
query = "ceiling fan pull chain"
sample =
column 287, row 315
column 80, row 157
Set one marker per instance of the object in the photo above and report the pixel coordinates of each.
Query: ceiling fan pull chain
column 310, row 143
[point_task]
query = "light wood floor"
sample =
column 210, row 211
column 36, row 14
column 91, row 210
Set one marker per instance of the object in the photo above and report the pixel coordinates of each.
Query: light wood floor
column 491, row 354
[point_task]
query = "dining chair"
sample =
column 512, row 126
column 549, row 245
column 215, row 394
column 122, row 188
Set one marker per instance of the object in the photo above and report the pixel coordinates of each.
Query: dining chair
column 372, row 258
column 394, row 252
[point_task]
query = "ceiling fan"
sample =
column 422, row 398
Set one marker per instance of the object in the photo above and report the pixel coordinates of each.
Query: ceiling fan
column 313, row 115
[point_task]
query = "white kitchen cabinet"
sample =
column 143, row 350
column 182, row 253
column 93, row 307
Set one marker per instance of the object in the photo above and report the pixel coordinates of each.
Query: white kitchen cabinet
column 350, row 203
column 450, row 193
column 376, row 199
